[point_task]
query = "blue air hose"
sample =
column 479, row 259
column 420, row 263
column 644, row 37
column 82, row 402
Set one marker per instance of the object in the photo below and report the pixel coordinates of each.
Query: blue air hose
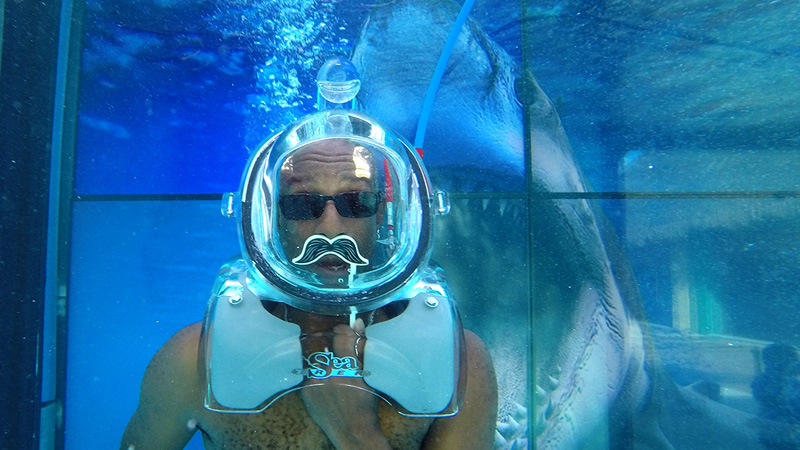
column 427, row 105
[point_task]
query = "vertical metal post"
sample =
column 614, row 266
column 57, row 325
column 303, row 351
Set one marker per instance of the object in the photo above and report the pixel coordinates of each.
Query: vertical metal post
column 2, row 22
column 531, row 208
column 62, row 167
column 27, row 79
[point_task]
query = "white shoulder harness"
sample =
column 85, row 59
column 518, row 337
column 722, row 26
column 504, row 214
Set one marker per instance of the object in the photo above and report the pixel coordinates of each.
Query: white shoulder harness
column 251, row 358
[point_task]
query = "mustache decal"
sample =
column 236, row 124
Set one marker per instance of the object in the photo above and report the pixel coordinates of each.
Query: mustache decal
column 343, row 246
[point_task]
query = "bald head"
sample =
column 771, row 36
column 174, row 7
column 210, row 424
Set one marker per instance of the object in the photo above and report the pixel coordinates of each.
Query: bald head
column 327, row 166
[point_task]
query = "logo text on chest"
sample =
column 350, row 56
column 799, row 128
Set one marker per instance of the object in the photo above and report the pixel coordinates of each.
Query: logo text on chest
column 323, row 365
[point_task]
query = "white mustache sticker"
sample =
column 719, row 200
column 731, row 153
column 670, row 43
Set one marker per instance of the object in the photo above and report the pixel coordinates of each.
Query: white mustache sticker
column 343, row 246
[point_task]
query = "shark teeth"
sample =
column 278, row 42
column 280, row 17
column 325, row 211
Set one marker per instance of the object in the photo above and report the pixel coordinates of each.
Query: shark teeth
column 543, row 399
column 540, row 395
column 512, row 433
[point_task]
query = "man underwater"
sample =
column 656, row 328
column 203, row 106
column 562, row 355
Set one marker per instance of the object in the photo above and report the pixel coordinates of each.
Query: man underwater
column 347, row 312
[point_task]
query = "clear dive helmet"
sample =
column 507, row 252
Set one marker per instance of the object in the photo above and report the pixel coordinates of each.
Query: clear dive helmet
column 335, row 212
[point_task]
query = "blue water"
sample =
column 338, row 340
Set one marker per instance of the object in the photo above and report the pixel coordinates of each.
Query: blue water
column 174, row 94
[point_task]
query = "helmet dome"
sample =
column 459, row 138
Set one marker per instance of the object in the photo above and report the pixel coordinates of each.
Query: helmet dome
column 335, row 213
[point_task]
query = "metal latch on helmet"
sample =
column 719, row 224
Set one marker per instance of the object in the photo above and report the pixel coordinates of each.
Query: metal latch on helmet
column 230, row 206
column 441, row 203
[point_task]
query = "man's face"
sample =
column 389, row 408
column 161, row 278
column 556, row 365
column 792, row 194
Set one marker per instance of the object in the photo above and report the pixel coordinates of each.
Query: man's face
column 329, row 168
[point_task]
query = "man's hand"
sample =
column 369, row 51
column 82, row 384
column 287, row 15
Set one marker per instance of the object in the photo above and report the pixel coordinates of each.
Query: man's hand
column 345, row 408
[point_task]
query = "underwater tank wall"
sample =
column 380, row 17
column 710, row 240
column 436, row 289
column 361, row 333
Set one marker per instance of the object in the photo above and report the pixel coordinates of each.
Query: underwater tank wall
column 624, row 181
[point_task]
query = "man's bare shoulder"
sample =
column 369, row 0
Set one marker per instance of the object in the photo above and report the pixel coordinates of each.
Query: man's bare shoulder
column 481, row 378
column 476, row 347
column 473, row 426
column 169, row 396
column 173, row 370
column 181, row 347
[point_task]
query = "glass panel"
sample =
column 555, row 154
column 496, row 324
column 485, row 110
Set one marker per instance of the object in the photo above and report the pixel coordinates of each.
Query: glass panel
column 721, row 171
column 677, row 107
column 174, row 97
column 482, row 245
column 141, row 271
column 660, row 287
column 705, row 265
column 719, row 283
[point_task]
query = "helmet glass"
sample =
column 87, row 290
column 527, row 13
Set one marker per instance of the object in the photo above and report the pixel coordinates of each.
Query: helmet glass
column 335, row 213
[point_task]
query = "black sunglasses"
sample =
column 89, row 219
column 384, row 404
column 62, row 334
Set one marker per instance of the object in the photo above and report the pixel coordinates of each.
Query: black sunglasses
column 306, row 206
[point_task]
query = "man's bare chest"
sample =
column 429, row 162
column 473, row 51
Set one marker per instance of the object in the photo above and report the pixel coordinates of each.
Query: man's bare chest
column 287, row 425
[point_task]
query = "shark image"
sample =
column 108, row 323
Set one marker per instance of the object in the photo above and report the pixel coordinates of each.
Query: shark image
column 526, row 248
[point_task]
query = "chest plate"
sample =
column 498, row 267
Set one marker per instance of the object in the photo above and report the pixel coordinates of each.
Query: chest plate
column 251, row 357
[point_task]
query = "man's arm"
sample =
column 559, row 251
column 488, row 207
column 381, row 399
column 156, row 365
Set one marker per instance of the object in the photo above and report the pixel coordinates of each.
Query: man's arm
column 474, row 425
column 163, row 419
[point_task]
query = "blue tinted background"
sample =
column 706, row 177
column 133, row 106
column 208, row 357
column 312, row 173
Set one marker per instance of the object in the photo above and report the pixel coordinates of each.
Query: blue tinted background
column 141, row 271
column 697, row 101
